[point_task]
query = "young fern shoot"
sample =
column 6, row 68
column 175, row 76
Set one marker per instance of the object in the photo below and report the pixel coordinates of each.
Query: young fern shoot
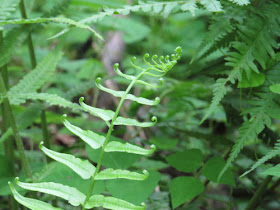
column 155, row 68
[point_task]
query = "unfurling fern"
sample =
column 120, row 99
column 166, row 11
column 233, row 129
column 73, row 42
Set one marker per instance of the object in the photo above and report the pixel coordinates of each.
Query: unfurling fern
column 83, row 167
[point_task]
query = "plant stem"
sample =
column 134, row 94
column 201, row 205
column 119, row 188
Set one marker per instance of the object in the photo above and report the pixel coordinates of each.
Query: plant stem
column 10, row 116
column 33, row 64
column 9, row 143
column 109, row 134
column 253, row 203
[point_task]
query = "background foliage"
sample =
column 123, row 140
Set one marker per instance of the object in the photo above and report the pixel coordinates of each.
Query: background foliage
column 218, row 120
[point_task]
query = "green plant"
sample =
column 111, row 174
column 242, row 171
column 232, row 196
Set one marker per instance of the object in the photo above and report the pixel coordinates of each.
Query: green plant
column 85, row 169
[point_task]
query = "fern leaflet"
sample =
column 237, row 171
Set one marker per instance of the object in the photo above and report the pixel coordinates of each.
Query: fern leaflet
column 271, row 154
column 36, row 78
column 12, row 40
column 249, row 130
column 6, row 8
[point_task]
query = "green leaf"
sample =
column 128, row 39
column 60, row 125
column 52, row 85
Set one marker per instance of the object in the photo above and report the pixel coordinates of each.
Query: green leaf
column 106, row 115
column 115, row 146
column 186, row 161
column 275, row 88
column 274, row 171
column 91, row 138
column 131, row 97
column 254, row 81
column 71, row 194
column 163, row 142
column 37, row 77
column 183, row 189
column 31, row 203
column 121, row 174
column 82, row 167
column 111, row 203
column 212, row 169
column 128, row 121
column 56, row 20
column 132, row 191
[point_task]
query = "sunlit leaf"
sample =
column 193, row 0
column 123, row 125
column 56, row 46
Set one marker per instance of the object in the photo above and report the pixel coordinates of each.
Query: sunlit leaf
column 91, row 138
column 31, row 203
column 111, row 203
column 121, row 174
column 82, row 167
column 71, row 194
column 115, row 146
column 128, row 121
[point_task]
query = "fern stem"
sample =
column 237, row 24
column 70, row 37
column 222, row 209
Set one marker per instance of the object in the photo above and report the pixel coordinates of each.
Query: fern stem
column 10, row 115
column 253, row 203
column 9, row 144
column 34, row 64
column 109, row 134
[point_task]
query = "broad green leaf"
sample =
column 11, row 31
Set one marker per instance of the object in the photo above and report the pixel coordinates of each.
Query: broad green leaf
column 150, row 164
column 255, row 80
column 64, row 175
column 115, row 146
column 275, row 88
column 186, row 161
column 128, row 121
column 274, row 171
column 106, row 115
column 82, row 167
column 132, row 191
column 121, row 94
column 71, row 194
column 91, row 138
column 114, row 160
column 121, row 174
column 31, row 203
column 212, row 169
column 56, row 20
column 163, row 142
column 183, row 189
column 111, row 203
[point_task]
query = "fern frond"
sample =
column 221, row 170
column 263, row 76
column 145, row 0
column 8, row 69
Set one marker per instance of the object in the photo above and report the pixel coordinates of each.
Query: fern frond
column 163, row 8
column 51, row 99
column 219, row 30
column 271, row 154
column 219, row 91
column 39, row 76
column 13, row 39
column 241, row 2
column 249, row 130
column 6, row 8
column 257, row 45
column 55, row 20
